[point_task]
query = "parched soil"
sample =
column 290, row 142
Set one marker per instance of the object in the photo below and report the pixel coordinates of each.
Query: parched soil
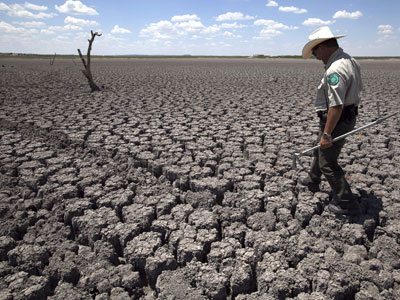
column 176, row 182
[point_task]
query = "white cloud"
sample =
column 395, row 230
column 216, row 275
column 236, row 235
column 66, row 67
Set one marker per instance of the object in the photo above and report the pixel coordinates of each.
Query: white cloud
column 316, row 22
column 292, row 9
column 4, row 6
column 230, row 35
column 271, row 24
column 342, row 14
column 8, row 28
column 33, row 24
column 387, row 38
column 112, row 38
column 211, row 29
column 272, row 29
column 67, row 27
column 168, row 44
column 76, row 8
column 17, row 10
column 34, row 6
column 169, row 30
column 121, row 30
column 187, row 23
column 234, row 16
column 80, row 22
column 179, row 26
column 271, row 3
column 234, row 25
column 46, row 32
column 190, row 26
column 267, row 34
column 72, row 27
column 184, row 18
column 385, row 29
column 160, row 30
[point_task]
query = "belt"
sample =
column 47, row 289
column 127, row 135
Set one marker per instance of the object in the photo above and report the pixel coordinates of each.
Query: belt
column 348, row 113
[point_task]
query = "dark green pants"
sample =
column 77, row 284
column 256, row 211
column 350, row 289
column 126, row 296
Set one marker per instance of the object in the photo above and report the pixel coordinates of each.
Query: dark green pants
column 326, row 162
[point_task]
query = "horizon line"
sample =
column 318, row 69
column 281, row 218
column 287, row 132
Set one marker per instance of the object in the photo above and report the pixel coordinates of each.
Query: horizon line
column 19, row 54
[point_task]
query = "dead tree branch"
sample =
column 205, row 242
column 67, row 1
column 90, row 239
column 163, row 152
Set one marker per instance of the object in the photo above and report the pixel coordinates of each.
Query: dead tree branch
column 53, row 59
column 87, row 72
column 51, row 64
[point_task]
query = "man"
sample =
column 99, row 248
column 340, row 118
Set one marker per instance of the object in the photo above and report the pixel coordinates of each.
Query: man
column 336, row 104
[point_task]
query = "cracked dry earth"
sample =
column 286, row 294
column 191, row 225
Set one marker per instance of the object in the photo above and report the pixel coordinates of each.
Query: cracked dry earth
column 175, row 182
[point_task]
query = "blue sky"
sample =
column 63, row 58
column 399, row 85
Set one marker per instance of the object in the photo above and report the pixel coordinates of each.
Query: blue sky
column 197, row 27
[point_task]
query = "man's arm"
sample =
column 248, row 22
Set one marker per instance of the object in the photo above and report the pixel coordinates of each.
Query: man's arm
column 334, row 113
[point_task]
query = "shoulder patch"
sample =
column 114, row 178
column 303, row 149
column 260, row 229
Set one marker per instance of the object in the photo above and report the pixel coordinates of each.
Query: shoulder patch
column 333, row 79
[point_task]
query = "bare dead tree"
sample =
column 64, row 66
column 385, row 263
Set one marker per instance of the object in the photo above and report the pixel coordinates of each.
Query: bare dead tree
column 53, row 59
column 87, row 71
column 51, row 64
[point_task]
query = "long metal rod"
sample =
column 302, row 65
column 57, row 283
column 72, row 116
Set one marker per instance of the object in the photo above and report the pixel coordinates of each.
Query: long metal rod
column 296, row 156
column 338, row 138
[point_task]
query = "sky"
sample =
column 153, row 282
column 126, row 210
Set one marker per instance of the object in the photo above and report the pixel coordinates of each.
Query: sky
column 196, row 27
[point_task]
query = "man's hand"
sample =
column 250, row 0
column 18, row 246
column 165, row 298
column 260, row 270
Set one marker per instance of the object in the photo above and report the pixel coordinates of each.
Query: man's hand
column 325, row 143
column 332, row 119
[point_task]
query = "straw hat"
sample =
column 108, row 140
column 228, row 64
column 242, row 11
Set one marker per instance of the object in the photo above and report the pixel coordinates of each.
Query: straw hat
column 318, row 36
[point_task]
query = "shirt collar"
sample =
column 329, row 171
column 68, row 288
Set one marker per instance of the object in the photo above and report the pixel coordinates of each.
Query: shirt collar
column 333, row 57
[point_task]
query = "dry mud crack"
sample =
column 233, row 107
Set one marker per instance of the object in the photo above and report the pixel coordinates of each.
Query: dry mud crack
column 175, row 182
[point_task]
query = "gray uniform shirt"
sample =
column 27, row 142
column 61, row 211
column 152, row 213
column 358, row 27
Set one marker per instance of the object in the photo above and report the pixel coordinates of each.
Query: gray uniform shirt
column 341, row 84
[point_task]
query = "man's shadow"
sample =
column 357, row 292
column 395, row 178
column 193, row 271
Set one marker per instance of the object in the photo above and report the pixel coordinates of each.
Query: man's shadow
column 371, row 206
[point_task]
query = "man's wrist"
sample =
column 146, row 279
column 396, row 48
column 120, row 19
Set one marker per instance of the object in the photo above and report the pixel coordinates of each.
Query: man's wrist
column 327, row 136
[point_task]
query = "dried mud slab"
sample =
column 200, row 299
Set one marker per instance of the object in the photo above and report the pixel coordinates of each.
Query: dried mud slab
column 175, row 182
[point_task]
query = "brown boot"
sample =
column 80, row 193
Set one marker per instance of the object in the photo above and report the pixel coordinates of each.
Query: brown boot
column 345, row 207
column 313, row 186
